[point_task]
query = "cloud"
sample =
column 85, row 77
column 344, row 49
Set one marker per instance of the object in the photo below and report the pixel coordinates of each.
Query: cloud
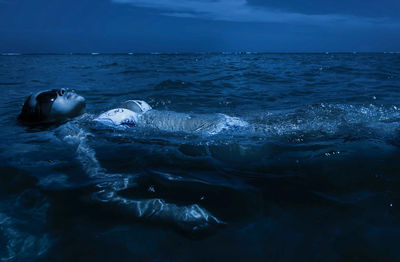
column 240, row 11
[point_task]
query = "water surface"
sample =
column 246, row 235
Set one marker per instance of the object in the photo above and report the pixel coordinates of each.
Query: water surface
column 314, row 176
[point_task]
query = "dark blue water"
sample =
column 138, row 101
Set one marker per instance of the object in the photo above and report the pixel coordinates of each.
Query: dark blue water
column 314, row 176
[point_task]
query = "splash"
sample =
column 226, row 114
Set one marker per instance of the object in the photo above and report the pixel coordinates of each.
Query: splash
column 190, row 218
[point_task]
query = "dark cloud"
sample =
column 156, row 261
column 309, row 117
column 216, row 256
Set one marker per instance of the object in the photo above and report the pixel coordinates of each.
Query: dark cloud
column 381, row 8
column 189, row 25
column 242, row 11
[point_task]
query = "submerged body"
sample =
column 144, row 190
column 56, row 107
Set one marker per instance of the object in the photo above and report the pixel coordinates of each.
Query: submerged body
column 139, row 114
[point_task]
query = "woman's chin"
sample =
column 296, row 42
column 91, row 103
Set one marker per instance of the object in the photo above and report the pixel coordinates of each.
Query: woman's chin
column 79, row 99
column 75, row 111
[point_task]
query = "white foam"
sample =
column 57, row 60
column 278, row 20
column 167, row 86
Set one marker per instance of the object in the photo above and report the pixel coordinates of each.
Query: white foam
column 191, row 217
column 76, row 136
column 225, row 123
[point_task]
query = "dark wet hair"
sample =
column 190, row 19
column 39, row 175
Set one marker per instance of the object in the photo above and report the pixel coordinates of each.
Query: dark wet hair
column 41, row 108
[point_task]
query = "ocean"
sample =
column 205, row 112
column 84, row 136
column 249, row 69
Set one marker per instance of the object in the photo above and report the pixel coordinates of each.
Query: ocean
column 313, row 175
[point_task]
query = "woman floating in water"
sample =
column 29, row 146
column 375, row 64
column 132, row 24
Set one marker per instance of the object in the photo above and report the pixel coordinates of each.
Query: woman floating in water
column 60, row 105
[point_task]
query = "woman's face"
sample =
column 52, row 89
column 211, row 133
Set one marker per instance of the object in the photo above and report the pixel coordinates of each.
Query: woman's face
column 52, row 105
column 67, row 104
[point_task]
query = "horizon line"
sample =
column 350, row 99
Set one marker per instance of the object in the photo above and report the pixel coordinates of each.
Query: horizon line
column 199, row 53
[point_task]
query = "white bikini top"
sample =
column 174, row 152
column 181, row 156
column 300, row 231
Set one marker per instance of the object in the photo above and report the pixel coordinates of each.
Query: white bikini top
column 127, row 116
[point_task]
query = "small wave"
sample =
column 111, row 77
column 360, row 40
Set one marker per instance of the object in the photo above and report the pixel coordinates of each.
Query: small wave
column 173, row 84
column 191, row 218
column 80, row 67
column 318, row 121
column 348, row 199
column 11, row 83
column 74, row 135
column 128, row 72
column 54, row 181
column 108, row 65
column 342, row 69
column 22, row 239
column 19, row 245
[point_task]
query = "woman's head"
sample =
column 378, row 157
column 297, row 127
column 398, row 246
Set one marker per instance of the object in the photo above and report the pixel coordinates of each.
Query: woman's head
column 52, row 105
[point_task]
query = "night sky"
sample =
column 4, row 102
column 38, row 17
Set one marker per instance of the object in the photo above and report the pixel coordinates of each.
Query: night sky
column 115, row 26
